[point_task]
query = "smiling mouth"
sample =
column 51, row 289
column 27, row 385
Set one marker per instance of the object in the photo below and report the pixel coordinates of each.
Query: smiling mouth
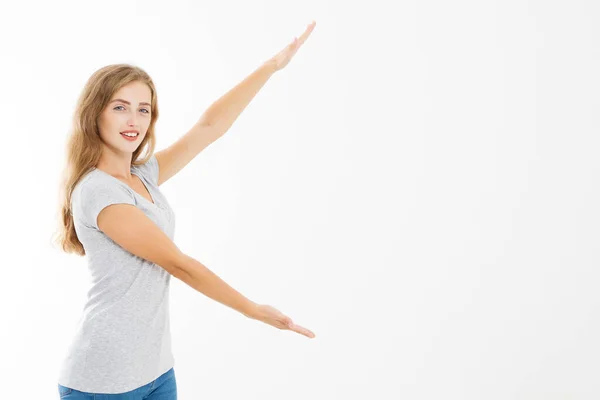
column 133, row 136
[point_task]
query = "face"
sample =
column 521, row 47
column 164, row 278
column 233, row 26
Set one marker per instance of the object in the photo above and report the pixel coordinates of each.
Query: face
column 128, row 110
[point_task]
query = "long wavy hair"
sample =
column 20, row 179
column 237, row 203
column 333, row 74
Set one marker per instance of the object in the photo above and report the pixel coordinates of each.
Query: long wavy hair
column 84, row 146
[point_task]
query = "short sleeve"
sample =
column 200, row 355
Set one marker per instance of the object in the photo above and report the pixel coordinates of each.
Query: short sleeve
column 149, row 169
column 96, row 195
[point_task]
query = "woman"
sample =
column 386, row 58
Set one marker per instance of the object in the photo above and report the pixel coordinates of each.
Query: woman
column 113, row 212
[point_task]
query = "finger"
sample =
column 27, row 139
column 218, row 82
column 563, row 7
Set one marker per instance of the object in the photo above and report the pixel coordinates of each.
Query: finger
column 307, row 32
column 301, row 39
column 302, row 330
column 291, row 46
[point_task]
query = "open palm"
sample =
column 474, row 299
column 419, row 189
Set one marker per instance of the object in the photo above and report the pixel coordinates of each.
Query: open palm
column 282, row 58
column 272, row 316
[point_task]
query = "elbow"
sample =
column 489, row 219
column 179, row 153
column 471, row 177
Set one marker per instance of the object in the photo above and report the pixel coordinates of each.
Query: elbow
column 178, row 265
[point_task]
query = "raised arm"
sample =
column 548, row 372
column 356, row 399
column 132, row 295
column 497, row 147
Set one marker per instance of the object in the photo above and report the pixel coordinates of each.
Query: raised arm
column 215, row 121
column 221, row 115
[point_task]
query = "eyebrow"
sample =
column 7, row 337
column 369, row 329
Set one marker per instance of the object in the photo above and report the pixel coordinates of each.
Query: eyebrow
column 126, row 102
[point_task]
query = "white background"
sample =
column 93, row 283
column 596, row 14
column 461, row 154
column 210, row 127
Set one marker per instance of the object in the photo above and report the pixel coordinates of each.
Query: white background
column 419, row 187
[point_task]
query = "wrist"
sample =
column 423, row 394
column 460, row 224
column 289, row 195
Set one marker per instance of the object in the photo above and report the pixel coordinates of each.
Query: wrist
column 252, row 310
column 271, row 66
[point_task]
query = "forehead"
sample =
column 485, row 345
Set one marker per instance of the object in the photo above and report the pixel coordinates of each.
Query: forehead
column 136, row 92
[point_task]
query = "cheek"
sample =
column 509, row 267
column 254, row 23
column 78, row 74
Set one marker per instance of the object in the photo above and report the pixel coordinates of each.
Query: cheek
column 111, row 122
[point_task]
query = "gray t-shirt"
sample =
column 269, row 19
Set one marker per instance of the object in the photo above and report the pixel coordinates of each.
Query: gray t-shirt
column 123, row 340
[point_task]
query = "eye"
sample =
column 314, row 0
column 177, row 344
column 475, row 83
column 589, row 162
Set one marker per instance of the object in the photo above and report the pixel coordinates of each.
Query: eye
column 147, row 111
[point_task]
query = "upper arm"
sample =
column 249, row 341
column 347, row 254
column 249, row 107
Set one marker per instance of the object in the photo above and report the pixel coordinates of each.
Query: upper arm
column 131, row 229
column 172, row 159
column 110, row 208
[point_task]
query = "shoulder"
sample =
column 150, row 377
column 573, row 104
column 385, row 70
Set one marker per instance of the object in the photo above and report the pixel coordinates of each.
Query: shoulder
column 95, row 192
column 96, row 183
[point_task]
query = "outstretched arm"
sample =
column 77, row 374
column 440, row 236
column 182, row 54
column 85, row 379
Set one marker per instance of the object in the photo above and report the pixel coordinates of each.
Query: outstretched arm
column 219, row 117
column 199, row 277
column 223, row 113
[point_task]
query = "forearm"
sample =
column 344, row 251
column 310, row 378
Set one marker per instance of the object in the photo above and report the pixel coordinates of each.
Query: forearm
column 199, row 277
column 223, row 112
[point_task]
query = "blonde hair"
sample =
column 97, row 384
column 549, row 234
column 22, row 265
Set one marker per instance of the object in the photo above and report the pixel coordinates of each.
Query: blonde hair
column 84, row 146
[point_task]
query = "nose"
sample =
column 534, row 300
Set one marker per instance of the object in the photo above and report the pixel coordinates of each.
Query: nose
column 131, row 121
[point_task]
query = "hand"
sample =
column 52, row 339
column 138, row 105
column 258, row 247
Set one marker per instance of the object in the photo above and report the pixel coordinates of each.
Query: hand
column 282, row 58
column 272, row 316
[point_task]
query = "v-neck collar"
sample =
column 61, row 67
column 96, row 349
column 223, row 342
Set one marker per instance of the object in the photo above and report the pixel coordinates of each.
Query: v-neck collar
column 147, row 189
column 153, row 202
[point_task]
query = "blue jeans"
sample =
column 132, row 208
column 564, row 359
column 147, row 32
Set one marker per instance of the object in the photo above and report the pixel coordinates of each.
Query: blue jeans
column 163, row 388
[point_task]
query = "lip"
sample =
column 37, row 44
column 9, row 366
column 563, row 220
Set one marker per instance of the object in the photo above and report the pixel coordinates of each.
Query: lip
column 131, row 131
column 130, row 138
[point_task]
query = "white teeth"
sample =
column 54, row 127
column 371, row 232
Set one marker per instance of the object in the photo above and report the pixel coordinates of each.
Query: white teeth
column 132, row 134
